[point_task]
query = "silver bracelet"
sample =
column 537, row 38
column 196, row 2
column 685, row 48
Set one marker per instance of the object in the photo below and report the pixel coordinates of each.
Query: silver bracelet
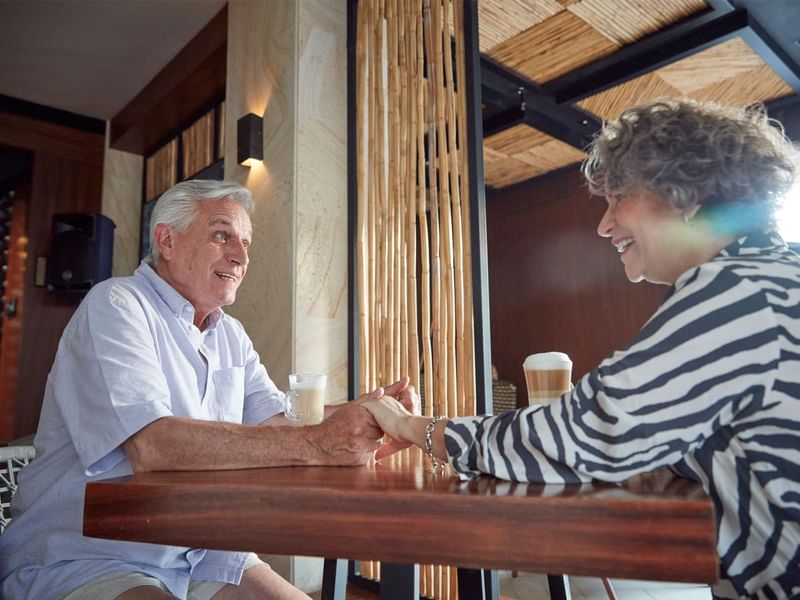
column 429, row 442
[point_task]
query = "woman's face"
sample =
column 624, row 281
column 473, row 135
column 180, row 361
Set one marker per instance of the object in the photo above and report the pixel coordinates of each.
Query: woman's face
column 648, row 233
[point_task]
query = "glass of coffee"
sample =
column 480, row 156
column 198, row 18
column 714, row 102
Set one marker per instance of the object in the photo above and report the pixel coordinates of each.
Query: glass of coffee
column 305, row 400
column 548, row 375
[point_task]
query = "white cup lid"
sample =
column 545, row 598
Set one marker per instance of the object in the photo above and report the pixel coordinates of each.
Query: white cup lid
column 547, row 360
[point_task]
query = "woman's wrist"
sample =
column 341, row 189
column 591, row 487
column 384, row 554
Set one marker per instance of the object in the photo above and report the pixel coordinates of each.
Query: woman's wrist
column 413, row 431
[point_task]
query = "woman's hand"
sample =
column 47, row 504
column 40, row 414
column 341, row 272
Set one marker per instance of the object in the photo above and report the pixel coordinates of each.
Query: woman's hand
column 394, row 418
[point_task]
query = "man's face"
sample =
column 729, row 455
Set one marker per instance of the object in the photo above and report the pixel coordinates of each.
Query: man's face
column 207, row 262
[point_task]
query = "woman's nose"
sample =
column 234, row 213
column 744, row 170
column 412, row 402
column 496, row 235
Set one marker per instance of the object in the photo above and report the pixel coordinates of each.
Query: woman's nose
column 606, row 223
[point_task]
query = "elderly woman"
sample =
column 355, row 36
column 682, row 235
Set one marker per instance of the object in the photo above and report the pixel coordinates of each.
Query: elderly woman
column 710, row 386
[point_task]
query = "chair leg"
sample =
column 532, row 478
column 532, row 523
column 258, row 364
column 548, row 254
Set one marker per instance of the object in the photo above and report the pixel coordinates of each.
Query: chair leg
column 334, row 579
column 559, row 587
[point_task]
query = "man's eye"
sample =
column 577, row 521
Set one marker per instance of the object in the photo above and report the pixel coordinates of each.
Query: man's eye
column 221, row 236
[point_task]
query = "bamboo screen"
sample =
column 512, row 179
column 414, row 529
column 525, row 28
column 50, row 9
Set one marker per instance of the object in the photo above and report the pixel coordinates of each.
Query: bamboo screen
column 414, row 288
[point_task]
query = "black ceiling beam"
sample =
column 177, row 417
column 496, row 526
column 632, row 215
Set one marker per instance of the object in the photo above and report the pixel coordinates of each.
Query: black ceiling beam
column 528, row 103
column 772, row 54
column 579, row 137
column 655, row 51
column 504, row 120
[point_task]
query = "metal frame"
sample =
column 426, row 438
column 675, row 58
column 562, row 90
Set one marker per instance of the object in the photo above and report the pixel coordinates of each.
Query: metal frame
column 477, row 208
column 550, row 107
column 531, row 105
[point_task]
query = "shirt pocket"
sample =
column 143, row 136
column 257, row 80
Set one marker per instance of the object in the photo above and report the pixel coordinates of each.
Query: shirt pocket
column 227, row 397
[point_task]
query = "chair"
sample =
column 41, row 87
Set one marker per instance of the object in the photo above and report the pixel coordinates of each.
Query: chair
column 504, row 396
column 12, row 459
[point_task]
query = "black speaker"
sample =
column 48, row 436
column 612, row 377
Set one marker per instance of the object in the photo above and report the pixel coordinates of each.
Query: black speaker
column 80, row 251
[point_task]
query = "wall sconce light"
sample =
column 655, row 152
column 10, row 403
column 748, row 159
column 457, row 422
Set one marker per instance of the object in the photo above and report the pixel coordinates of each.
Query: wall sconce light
column 249, row 140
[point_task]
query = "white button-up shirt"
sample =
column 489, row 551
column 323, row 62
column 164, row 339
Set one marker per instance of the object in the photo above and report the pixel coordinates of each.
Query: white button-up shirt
column 129, row 355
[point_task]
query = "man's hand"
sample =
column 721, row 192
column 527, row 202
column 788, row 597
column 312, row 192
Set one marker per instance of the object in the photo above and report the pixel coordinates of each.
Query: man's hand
column 350, row 435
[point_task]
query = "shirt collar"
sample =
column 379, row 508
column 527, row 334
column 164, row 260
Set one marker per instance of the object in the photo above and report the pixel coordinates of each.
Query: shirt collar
column 752, row 244
column 755, row 243
column 179, row 305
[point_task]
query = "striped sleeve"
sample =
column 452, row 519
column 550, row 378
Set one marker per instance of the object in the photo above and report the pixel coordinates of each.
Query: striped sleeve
column 708, row 355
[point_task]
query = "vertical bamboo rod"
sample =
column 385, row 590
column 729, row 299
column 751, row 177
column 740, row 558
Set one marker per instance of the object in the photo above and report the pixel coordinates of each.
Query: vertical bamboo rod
column 373, row 195
column 362, row 174
column 412, row 83
column 442, row 53
column 388, row 212
column 422, row 222
column 433, row 206
column 455, row 198
column 402, row 217
column 433, row 228
column 469, row 331
column 382, row 303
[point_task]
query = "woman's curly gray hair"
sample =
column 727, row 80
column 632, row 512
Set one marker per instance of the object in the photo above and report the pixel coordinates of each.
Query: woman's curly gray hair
column 693, row 153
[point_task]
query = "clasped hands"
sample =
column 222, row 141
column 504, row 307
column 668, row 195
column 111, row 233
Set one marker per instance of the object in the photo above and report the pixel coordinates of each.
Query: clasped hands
column 365, row 421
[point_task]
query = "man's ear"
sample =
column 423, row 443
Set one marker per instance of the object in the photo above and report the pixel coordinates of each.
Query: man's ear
column 164, row 240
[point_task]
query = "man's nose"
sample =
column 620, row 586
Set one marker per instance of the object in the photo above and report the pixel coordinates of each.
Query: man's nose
column 237, row 253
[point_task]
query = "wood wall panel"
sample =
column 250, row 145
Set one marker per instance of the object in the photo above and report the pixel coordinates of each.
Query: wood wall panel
column 40, row 136
column 67, row 177
column 554, row 283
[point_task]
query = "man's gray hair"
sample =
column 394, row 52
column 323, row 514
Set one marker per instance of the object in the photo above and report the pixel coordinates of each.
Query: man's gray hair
column 177, row 207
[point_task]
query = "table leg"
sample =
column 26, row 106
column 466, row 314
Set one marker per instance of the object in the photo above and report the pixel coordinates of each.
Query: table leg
column 399, row 582
column 334, row 579
column 559, row 587
column 478, row 584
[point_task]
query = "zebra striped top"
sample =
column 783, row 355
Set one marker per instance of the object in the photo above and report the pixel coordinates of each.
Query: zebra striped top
column 709, row 386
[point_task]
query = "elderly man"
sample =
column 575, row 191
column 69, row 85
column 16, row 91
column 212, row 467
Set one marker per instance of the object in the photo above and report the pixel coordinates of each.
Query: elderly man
column 151, row 374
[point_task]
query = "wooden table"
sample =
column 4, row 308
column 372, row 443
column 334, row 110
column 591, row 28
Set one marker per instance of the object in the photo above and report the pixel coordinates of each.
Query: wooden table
column 656, row 526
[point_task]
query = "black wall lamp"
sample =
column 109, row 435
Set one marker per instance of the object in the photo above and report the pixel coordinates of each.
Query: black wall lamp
column 249, row 139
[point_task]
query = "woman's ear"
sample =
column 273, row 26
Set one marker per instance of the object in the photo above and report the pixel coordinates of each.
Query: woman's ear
column 163, row 238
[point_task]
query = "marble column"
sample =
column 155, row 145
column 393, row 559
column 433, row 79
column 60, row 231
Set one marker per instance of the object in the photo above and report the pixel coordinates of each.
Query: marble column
column 287, row 62
column 122, row 203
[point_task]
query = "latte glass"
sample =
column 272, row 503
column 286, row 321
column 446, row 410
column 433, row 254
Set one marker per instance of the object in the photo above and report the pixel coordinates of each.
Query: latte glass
column 305, row 400
column 548, row 375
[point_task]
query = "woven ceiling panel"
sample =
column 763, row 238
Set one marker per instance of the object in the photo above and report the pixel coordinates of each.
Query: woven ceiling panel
column 502, row 19
column 609, row 104
column 556, row 37
column 554, row 47
column 522, row 152
column 714, row 65
column 516, row 139
column 714, row 74
column 763, row 84
column 501, row 170
column 544, row 39
column 626, row 21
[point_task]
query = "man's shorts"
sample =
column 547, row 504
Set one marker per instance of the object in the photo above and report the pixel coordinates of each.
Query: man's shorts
column 111, row 585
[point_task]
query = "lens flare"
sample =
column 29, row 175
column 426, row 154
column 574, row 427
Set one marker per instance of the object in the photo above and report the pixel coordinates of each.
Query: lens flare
column 789, row 216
